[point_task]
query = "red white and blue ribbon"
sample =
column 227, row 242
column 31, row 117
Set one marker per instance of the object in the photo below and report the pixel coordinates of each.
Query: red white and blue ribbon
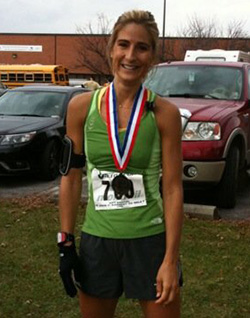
column 121, row 155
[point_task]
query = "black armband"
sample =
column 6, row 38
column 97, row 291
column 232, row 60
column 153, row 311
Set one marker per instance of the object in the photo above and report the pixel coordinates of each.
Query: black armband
column 68, row 158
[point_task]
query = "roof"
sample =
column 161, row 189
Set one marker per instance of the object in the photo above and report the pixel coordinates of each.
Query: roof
column 51, row 88
column 29, row 67
column 212, row 63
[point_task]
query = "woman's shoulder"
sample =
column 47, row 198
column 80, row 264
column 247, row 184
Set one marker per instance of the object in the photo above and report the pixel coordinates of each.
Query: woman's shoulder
column 163, row 105
column 80, row 103
column 80, row 100
column 166, row 112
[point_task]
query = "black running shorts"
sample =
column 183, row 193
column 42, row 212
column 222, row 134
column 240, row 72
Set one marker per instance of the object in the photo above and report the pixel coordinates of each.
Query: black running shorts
column 112, row 267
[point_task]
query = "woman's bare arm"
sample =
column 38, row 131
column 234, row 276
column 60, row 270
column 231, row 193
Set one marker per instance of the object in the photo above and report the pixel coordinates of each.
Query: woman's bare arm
column 169, row 124
column 71, row 184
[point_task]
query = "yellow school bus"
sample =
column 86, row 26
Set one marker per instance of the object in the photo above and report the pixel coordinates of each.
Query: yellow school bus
column 20, row 75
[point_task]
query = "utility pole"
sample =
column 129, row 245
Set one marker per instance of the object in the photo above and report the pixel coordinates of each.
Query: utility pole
column 163, row 30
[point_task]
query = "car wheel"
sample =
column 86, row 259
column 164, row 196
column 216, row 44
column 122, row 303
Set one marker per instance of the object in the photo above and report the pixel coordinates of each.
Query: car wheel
column 50, row 161
column 226, row 191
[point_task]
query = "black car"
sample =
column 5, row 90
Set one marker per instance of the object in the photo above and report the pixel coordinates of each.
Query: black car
column 3, row 88
column 32, row 126
column 2, row 91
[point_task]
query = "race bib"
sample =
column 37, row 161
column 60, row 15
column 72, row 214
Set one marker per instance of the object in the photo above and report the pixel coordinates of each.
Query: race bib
column 110, row 192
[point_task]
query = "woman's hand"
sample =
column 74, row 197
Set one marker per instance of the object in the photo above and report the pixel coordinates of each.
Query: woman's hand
column 167, row 283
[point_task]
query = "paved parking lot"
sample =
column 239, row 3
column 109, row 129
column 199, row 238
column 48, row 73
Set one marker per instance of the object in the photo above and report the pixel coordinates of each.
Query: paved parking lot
column 24, row 186
column 21, row 186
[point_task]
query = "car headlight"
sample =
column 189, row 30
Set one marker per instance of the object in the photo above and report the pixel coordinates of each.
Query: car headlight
column 202, row 131
column 16, row 139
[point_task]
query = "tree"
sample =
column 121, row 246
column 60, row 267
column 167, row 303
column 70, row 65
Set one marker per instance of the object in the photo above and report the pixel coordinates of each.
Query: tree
column 199, row 28
column 207, row 34
column 91, row 47
column 235, row 29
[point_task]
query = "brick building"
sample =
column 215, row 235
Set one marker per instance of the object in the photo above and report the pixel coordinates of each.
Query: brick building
column 74, row 50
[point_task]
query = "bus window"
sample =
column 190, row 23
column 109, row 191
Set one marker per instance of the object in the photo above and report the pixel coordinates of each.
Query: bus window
column 61, row 77
column 48, row 78
column 4, row 77
column 39, row 78
column 12, row 77
column 29, row 77
column 20, row 77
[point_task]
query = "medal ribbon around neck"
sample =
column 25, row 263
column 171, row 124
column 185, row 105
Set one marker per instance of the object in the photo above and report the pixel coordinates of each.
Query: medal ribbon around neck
column 121, row 155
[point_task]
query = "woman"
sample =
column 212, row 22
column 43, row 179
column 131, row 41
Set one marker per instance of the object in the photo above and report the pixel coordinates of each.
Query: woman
column 130, row 236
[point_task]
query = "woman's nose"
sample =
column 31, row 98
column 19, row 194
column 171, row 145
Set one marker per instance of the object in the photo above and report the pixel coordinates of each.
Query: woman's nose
column 130, row 54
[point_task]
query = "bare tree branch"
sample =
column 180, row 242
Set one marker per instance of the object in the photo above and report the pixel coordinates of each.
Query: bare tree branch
column 235, row 29
column 92, row 46
column 200, row 28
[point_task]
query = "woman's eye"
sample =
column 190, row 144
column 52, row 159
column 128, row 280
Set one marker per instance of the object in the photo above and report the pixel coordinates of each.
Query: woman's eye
column 143, row 47
column 122, row 44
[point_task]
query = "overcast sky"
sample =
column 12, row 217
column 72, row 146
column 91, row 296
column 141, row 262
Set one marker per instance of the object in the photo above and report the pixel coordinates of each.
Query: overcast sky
column 63, row 16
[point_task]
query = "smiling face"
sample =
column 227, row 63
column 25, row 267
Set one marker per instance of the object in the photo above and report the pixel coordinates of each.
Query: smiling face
column 132, row 53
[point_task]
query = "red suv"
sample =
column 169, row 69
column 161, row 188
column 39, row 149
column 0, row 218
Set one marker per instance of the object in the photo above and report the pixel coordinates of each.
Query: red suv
column 214, row 98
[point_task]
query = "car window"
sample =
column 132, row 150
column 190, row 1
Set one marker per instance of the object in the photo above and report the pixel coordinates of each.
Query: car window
column 44, row 104
column 196, row 81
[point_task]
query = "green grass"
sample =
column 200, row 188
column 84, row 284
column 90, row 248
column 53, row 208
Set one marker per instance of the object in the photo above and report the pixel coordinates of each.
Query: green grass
column 215, row 257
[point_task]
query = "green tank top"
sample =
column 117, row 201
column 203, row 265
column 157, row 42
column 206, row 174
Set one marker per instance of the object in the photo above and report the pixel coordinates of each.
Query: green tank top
column 145, row 160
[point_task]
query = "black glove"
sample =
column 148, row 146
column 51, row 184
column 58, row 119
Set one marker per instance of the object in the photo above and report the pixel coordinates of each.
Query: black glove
column 70, row 269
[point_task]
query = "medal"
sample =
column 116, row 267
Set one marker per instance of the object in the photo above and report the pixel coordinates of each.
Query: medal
column 122, row 186
column 121, row 155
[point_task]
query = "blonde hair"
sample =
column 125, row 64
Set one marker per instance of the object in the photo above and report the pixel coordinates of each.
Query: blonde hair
column 144, row 18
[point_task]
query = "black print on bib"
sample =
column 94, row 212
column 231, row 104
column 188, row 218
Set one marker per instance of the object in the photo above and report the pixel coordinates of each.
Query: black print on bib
column 122, row 186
